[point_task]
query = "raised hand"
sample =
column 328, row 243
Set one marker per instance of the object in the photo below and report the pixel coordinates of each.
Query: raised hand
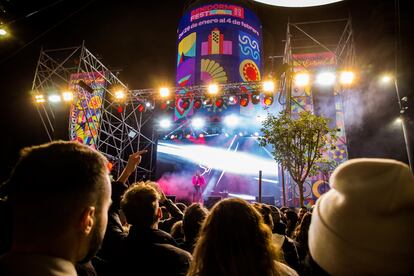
column 133, row 161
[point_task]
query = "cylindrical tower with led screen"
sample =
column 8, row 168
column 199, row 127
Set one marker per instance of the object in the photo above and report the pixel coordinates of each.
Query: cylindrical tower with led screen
column 217, row 43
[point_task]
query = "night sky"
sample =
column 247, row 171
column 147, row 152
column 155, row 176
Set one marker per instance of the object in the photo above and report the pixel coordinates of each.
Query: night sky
column 139, row 39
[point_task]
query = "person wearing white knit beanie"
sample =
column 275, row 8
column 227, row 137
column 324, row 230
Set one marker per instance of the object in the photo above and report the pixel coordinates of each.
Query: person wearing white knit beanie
column 365, row 224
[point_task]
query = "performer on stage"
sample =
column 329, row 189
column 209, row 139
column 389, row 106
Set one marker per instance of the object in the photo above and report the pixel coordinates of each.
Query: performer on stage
column 198, row 183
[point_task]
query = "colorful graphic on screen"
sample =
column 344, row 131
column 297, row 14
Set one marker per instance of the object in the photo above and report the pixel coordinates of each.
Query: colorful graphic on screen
column 235, row 173
column 218, row 43
column 85, row 112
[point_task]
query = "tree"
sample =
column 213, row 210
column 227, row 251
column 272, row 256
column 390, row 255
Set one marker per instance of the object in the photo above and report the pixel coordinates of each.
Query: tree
column 298, row 143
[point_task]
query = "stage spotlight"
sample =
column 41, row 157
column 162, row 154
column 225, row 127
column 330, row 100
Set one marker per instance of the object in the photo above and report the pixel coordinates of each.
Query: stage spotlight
column 244, row 100
column 325, row 78
column 197, row 123
column 54, row 98
column 40, row 98
column 219, row 102
column 197, row 103
column 201, row 135
column 347, row 78
column 232, row 100
column 119, row 95
column 268, row 100
column 172, row 137
column 256, row 134
column 141, row 107
column 148, row 105
column 268, row 86
column 213, row 89
column 185, row 103
column 231, row 120
column 3, row 32
column 164, row 92
column 165, row 105
column 165, row 123
column 188, row 136
column 302, row 79
column 67, row 96
column 241, row 134
column 386, row 79
column 255, row 97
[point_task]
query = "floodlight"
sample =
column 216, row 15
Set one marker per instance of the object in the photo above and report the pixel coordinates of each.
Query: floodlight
column 268, row 86
column 386, row 79
column 197, row 123
column 231, row 120
column 213, row 89
column 164, row 92
column 67, row 96
column 165, row 123
column 54, row 98
column 119, row 94
column 347, row 77
column 302, row 79
column 325, row 78
column 39, row 98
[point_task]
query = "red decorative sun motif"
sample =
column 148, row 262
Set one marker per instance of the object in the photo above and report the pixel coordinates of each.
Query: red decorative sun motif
column 249, row 71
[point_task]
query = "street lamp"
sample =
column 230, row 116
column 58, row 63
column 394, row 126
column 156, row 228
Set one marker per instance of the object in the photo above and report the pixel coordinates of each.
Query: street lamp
column 403, row 108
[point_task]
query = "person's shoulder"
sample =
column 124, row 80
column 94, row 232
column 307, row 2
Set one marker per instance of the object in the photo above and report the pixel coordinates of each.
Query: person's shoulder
column 285, row 270
column 174, row 250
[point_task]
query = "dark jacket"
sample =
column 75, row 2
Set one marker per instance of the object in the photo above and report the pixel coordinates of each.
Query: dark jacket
column 150, row 252
column 113, row 236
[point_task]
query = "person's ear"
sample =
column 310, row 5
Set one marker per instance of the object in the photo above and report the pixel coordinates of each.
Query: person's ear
column 87, row 220
column 159, row 213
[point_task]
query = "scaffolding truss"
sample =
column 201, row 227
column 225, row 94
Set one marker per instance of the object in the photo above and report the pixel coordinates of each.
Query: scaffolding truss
column 331, row 37
column 124, row 126
column 120, row 131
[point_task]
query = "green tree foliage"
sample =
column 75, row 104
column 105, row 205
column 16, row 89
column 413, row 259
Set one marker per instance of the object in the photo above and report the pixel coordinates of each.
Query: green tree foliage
column 298, row 143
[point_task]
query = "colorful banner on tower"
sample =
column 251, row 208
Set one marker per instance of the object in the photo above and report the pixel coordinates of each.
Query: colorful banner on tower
column 86, row 110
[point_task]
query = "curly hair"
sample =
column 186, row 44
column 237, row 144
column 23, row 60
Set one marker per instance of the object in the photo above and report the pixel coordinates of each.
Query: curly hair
column 140, row 204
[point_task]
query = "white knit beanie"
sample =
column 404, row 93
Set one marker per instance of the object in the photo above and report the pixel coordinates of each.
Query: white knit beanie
column 365, row 224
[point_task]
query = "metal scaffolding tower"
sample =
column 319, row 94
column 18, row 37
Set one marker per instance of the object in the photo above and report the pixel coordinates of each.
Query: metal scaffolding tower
column 120, row 130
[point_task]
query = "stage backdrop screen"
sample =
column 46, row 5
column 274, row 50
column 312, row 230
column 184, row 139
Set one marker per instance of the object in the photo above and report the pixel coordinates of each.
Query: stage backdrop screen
column 229, row 164
column 217, row 43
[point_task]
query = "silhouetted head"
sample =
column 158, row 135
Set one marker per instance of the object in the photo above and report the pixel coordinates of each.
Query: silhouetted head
column 234, row 241
column 140, row 205
column 60, row 195
column 194, row 217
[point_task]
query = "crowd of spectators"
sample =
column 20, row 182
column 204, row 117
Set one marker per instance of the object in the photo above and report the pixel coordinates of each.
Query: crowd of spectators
column 61, row 215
